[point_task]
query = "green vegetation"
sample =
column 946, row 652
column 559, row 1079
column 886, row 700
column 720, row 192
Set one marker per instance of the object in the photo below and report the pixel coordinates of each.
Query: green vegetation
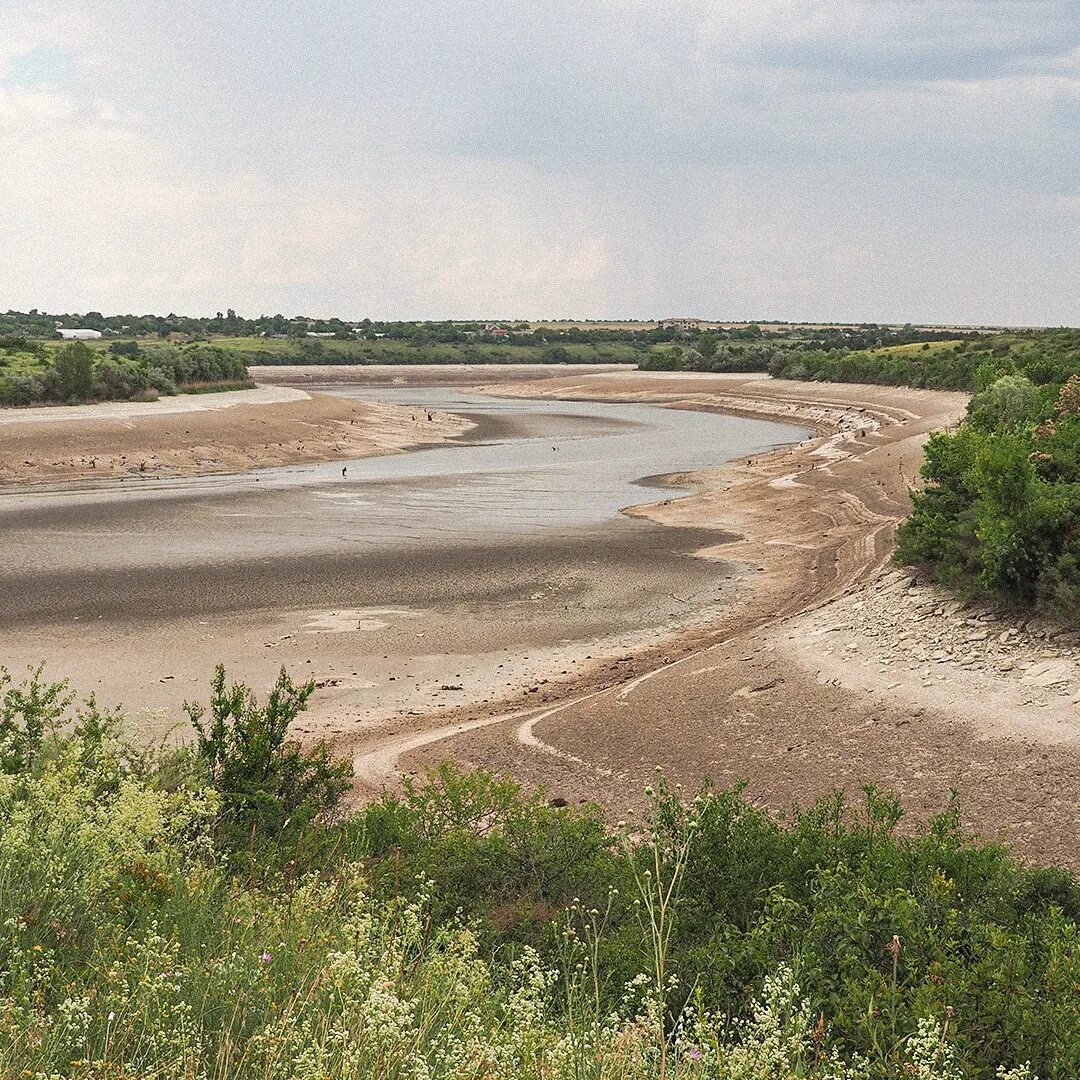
column 1001, row 517
column 275, row 339
column 1042, row 356
column 40, row 324
column 525, row 349
column 209, row 913
column 35, row 373
column 710, row 354
column 751, row 349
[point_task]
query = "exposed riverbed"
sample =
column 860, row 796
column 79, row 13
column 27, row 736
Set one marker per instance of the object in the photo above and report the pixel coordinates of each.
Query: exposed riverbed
column 402, row 582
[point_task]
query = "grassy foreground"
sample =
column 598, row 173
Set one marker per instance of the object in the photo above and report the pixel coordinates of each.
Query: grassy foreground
column 204, row 913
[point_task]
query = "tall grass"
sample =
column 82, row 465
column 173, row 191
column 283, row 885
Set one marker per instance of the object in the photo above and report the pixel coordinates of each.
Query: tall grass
column 143, row 935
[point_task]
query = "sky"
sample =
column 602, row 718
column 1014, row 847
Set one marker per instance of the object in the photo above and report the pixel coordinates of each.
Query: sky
column 867, row 160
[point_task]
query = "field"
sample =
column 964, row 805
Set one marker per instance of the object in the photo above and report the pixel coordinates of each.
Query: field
column 257, row 351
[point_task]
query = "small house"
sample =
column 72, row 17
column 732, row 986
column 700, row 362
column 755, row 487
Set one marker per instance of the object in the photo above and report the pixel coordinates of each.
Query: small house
column 78, row 335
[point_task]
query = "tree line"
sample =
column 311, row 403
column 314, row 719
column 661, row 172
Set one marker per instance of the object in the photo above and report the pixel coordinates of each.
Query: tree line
column 31, row 375
column 45, row 326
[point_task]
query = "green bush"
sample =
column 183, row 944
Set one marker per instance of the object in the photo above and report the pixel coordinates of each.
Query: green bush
column 265, row 780
column 161, row 381
column 1001, row 515
column 1007, row 403
column 119, row 380
column 470, row 929
column 74, row 367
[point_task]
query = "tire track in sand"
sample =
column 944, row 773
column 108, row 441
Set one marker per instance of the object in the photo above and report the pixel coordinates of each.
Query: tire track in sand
column 817, row 519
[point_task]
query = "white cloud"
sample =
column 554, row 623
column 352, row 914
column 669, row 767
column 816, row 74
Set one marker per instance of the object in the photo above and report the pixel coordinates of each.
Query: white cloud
column 790, row 158
column 98, row 215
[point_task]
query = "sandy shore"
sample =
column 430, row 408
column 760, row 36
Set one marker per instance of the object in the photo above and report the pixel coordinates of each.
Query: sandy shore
column 808, row 662
column 830, row 669
column 208, row 433
column 421, row 583
column 292, row 375
column 163, row 406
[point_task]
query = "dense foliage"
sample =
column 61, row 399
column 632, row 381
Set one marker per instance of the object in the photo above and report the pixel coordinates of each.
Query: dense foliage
column 44, row 325
column 709, row 354
column 157, row 917
column 800, row 349
column 32, row 373
column 1000, row 518
column 1001, row 515
column 141, row 349
column 1044, row 357
column 481, row 349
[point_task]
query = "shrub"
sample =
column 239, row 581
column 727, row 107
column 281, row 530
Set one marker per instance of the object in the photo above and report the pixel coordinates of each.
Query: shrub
column 713, row 941
column 1000, row 518
column 1009, row 402
column 266, row 781
column 22, row 390
column 120, row 380
column 160, row 381
column 74, row 367
column 28, row 715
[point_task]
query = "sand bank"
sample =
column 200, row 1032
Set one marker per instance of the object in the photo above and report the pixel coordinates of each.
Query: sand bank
column 419, row 374
column 830, row 669
column 208, row 433
column 454, row 576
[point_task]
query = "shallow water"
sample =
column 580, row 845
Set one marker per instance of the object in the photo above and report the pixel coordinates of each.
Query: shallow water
column 532, row 469
column 499, row 559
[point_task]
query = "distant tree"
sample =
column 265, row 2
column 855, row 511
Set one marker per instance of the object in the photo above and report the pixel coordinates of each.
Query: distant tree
column 1011, row 401
column 75, row 371
column 706, row 345
column 556, row 355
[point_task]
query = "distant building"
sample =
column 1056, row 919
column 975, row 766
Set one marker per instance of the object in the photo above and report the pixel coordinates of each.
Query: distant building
column 319, row 333
column 78, row 335
column 496, row 331
column 682, row 324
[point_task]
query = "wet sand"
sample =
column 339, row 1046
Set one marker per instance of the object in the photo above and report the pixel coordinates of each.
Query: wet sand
column 203, row 434
column 777, row 690
column 394, row 632
column 420, row 582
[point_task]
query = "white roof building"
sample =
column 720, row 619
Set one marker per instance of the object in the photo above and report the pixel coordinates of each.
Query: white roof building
column 79, row 335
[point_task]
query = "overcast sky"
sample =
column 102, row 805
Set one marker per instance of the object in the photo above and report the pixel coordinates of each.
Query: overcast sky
column 774, row 159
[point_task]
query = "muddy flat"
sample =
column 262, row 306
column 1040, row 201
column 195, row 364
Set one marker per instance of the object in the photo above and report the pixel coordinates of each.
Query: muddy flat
column 416, row 582
column 601, row 573
column 201, row 434
column 829, row 669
